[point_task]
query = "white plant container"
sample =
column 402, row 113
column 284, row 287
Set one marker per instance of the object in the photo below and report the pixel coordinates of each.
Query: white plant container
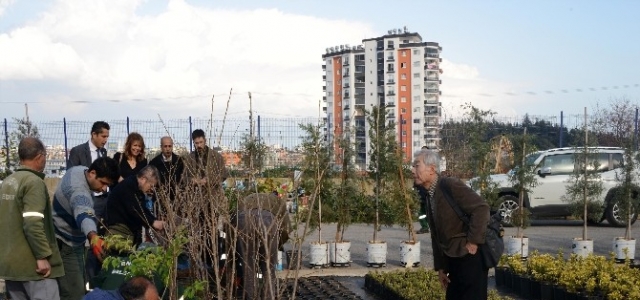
column 319, row 254
column 340, row 253
column 515, row 245
column 582, row 247
column 619, row 246
column 410, row 253
column 377, row 253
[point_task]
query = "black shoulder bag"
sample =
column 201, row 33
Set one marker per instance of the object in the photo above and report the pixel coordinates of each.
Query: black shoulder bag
column 493, row 246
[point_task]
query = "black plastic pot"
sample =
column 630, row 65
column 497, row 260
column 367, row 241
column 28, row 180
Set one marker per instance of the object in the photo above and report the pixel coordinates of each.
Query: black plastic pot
column 525, row 287
column 515, row 283
column 500, row 276
column 292, row 259
column 508, row 279
column 535, row 289
column 546, row 291
column 559, row 293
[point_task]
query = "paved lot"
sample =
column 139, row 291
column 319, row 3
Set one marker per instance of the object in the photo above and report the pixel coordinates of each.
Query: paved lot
column 547, row 236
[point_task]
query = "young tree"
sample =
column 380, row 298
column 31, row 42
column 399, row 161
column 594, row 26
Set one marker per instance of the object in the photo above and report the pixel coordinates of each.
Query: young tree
column 253, row 153
column 479, row 147
column 523, row 178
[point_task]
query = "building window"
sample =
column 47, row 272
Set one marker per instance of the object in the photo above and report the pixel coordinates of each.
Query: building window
column 403, row 65
column 338, row 72
column 404, row 133
column 416, row 98
column 403, row 99
column 416, row 132
column 329, row 94
column 416, row 86
column 403, row 76
column 416, row 144
column 404, row 53
column 416, row 51
column 403, row 110
column 403, row 88
column 416, row 63
column 416, row 121
column 417, row 109
column 404, row 144
column 416, row 75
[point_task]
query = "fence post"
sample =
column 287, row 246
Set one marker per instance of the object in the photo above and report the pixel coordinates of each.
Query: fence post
column 6, row 143
column 190, row 131
column 635, row 132
column 66, row 146
column 561, row 128
column 127, row 125
column 258, row 127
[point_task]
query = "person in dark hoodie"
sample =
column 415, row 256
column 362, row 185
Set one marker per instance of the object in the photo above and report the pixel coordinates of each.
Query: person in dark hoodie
column 126, row 212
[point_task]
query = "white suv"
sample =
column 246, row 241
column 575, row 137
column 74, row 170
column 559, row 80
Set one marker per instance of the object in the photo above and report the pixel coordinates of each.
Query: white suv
column 554, row 168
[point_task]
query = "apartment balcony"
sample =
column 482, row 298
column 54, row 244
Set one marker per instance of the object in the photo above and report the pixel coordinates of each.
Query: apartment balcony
column 324, row 88
column 359, row 100
column 432, row 124
column 359, row 84
column 324, row 109
column 432, row 54
column 359, row 63
column 324, row 67
column 391, row 116
column 391, row 82
column 431, row 113
column 432, row 91
column 390, row 58
column 345, row 62
column 432, row 136
column 430, row 100
column 345, row 75
column 324, row 98
column 346, row 96
column 432, row 80
column 324, row 77
column 346, row 107
column 391, row 71
column 390, row 47
column 391, row 93
column 346, row 85
column 390, row 104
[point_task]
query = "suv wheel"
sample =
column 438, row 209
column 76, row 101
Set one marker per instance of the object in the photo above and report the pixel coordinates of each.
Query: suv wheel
column 508, row 205
column 614, row 215
column 614, row 212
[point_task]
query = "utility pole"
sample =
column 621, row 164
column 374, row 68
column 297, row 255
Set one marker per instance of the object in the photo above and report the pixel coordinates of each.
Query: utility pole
column 27, row 123
column 251, row 134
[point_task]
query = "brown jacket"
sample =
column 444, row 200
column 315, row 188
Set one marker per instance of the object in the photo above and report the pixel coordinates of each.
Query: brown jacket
column 210, row 166
column 449, row 234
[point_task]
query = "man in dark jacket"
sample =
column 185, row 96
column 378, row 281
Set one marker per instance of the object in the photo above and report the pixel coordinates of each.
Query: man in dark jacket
column 133, row 289
column 263, row 226
column 460, row 267
column 126, row 212
column 170, row 166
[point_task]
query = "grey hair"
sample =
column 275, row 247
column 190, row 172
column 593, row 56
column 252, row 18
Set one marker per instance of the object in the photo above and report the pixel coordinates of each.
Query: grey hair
column 149, row 172
column 428, row 157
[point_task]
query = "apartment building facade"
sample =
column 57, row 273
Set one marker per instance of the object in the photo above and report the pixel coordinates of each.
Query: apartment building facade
column 397, row 72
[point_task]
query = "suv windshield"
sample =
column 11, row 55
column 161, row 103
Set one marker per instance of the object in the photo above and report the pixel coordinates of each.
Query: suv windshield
column 531, row 158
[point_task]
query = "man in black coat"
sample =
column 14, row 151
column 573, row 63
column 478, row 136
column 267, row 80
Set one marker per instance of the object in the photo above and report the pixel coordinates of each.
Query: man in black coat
column 170, row 166
column 127, row 213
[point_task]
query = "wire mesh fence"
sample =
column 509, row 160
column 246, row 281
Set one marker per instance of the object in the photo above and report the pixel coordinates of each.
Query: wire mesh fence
column 281, row 135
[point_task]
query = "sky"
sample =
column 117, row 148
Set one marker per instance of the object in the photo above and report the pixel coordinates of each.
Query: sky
column 111, row 59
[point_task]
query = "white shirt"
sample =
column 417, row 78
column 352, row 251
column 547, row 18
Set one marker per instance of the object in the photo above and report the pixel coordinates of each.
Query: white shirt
column 94, row 151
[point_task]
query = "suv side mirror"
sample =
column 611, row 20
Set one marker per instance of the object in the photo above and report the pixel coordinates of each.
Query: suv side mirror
column 544, row 171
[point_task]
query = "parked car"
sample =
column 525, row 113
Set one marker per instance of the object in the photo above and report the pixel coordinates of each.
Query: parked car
column 554, row 168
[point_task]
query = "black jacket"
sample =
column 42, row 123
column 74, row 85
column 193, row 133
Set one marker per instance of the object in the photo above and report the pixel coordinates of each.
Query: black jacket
column 170, row 172
column 126, row 206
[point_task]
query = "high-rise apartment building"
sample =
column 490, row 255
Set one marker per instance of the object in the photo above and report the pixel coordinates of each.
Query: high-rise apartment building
column 398, row 72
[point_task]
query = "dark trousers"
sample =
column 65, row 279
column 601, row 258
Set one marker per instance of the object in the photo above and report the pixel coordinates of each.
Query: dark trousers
column 468, row 278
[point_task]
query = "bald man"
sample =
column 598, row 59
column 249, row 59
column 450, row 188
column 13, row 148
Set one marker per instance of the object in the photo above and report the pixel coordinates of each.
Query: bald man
column 170, row 166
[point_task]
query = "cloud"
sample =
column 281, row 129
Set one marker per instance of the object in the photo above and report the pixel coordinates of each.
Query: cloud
column 106, row 50
column 4, row 4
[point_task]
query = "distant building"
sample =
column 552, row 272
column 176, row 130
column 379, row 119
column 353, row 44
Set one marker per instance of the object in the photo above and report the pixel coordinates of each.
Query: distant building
column 397, row 71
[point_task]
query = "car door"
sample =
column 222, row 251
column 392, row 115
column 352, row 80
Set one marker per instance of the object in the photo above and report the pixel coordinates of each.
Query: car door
column 551, row 187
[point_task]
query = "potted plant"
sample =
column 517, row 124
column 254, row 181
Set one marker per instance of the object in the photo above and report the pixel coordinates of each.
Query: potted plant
column 626, row 199
column 409, row 249
column 523, row 178
column 346, row 195
column 316, row 178
column 381, row 168
column 584, row 190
